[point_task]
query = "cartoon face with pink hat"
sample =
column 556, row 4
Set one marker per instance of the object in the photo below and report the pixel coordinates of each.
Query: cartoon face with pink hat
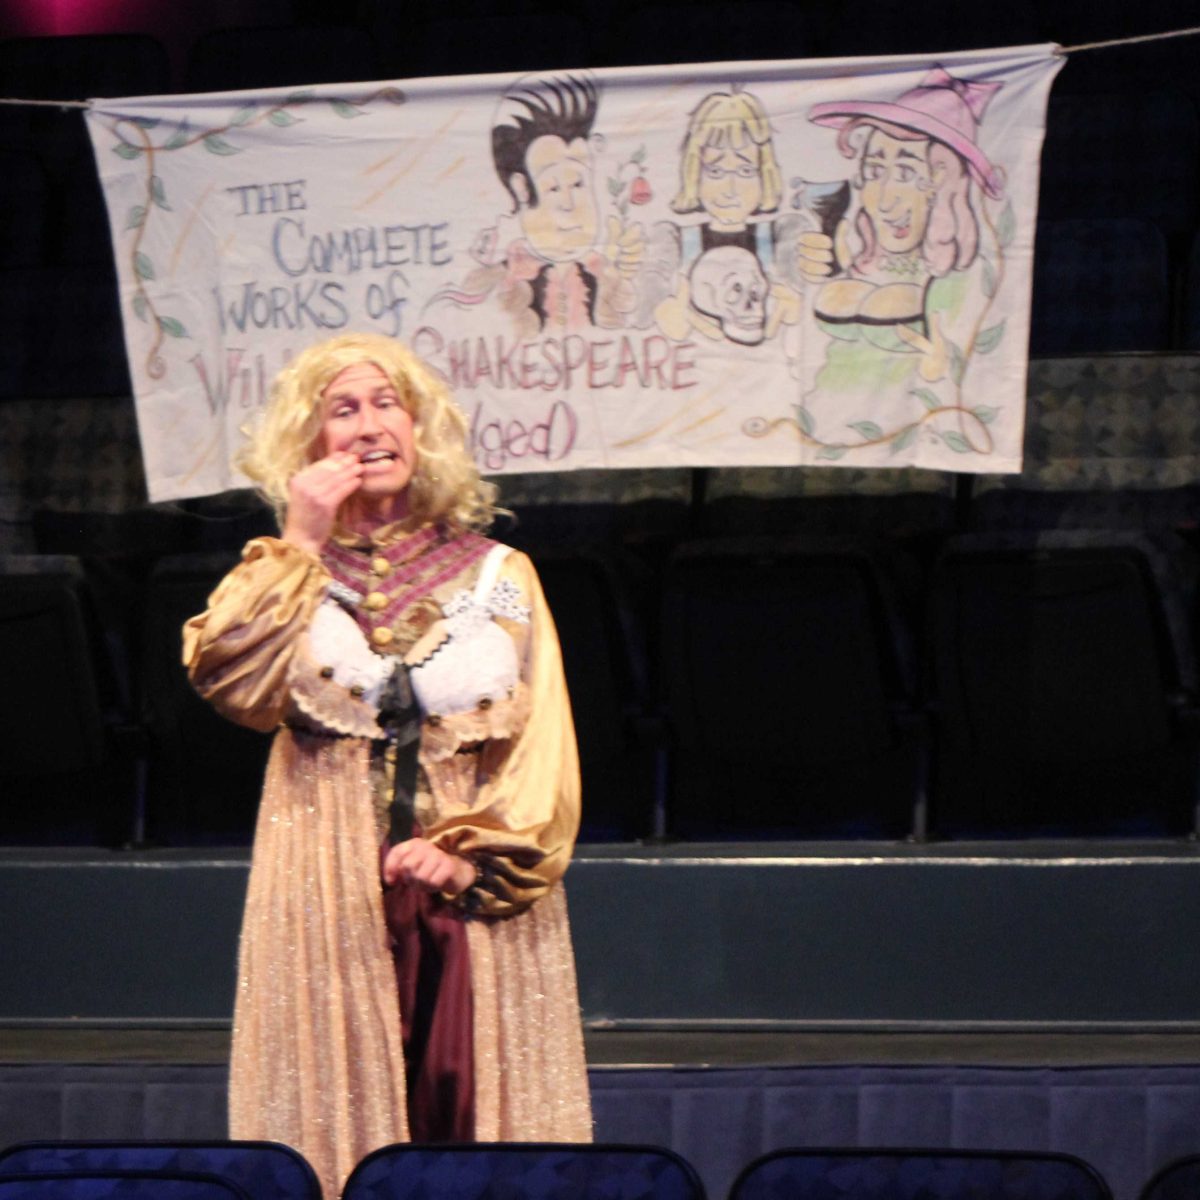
column 919, row 178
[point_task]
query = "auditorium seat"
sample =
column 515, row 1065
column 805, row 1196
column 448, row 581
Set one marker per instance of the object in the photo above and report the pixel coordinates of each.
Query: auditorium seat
column 76, row 68
column 864, row 1174
column 711, row 31
column 79, row 67
column 1127, row 154
column 225, row 60
column 788, row 688
column 1178, row 1180
column 1191, row 303
column 592, row 597
column 206, row 773
column 479, row 45
column 1099, row 285
column 128, row 1185
column 1063, row 681
column 23, row 201
column 262, row 1170
column 549, row 1171
column 64, row 768
column 64, row 331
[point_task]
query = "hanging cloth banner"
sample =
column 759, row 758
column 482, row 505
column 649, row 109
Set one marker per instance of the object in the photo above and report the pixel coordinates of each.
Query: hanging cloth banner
column 787, row 263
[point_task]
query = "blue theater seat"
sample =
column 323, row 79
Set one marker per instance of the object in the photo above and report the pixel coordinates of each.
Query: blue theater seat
column 909, row 1174
column 257, row 1170
column 117, row 1185
column 531, row 1171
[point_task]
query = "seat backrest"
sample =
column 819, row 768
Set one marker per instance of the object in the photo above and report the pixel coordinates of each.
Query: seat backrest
column 785, row 663
column 1055, row 663
column 551, row 1171
column 51, row 712
column 262, row 1170
column 1099, row 285
column 900, row 1174
column 453, row 44
column 205, row 772
column 125, row 1185
column 1129, row 154
column 1178, row 1180
column 268, row 57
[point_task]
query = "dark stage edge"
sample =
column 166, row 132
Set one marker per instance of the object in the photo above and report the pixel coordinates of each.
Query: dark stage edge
column 666, row 1049
column 1079, row 937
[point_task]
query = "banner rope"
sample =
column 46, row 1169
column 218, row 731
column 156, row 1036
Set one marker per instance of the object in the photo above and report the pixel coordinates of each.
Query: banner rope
column 1129, row 41
column 1059, row 50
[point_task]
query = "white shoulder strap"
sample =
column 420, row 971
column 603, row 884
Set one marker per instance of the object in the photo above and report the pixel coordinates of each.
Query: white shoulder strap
column 489, row 571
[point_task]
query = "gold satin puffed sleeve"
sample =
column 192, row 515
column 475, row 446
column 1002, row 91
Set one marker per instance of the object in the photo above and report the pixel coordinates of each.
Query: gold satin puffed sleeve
column 237, row 652
column 520, row 829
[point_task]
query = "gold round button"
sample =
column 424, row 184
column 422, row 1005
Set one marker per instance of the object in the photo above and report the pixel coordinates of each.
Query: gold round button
column 434, row 719
column 357, row 689
column 485, row 702
column 382, row 636
column 326, row 672
column 374, row 601
column 381, row 566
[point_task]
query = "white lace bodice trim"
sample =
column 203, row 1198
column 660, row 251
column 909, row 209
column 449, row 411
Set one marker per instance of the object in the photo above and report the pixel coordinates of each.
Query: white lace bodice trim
column 478, row 660
column 336, row 641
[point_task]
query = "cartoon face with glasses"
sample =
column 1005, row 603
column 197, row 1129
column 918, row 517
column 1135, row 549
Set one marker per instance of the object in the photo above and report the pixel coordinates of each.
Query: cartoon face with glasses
column 729, row 170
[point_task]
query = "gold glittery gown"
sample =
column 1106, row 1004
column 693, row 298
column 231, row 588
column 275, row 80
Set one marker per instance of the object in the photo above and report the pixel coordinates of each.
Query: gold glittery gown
column 317, row 1058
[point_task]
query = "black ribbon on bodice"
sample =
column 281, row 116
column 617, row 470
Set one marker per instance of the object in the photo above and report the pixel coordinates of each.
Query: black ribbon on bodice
column 400, row 719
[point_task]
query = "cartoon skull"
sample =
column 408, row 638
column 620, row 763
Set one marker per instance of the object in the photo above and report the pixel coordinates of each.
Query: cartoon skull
column 728, row 284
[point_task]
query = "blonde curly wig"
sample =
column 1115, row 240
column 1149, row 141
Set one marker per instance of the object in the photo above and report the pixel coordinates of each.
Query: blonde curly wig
column 445, row 488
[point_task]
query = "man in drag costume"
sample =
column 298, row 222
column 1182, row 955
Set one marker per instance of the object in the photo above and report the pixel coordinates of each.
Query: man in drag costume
column 405, row 969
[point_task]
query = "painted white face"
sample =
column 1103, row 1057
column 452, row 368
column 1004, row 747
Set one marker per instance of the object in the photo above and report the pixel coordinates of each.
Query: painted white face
column 728, row 284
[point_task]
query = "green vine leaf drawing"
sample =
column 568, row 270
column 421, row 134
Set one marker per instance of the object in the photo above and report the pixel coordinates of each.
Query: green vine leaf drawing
column 805, row 420
column 958, row 364
column 218, row 145
column 927, row 398
column 984, row 414
column 159, row 194
column 1006, row 226
column 989, row 282
column 990, row 338
column 904, row 439
column 832, row 453
column 182, row 137
column 172, row 327
column 868, row 429
column 957, row 442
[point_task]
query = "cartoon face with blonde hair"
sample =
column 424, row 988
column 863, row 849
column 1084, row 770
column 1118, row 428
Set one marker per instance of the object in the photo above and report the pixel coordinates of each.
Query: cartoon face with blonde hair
column 729, row 169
